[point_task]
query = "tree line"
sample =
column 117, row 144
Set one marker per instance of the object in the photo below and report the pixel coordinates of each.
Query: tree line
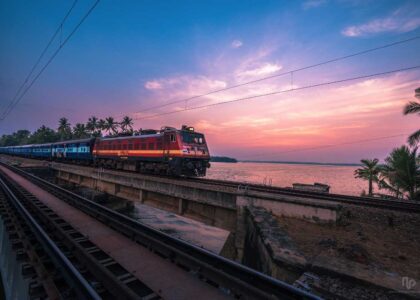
column 94, row 127
column 400, row 174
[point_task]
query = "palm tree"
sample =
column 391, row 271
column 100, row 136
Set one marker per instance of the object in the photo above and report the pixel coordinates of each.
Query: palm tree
column 369, row 171
column 101, row 124
column 401, row 173
column 79, row 131
column 127, row 125
column 413, row 107
column 110, row 125
column 64, row 128
column 92, row 125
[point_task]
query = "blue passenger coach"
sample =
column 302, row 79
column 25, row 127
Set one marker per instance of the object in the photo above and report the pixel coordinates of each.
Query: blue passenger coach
column 73, row 150
column 41, row 151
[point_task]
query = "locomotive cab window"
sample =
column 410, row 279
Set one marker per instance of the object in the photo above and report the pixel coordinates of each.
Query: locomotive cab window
column 192, row 138
column 173, row 138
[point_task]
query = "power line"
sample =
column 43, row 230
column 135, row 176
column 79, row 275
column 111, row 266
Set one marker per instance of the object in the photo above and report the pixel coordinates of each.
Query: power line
column 283, row 73
column 52, row 57
column 59, row 28
column 279, row 92
column 334, row 145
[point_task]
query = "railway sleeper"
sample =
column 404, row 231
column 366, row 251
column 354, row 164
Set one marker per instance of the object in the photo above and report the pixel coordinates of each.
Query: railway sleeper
column 81, row 247
column 26, row 253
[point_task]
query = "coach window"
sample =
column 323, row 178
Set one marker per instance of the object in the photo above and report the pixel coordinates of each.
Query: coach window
column 130, row 146
column 143, row 146
column 151, row 146
column 136, row 146
column 119, row 147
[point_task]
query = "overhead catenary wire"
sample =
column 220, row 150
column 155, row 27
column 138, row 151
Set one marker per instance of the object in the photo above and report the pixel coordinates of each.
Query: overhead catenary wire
column 51, row 58
column 59, row 29
column 282, row 74
column 332, row 145
column 293, row 89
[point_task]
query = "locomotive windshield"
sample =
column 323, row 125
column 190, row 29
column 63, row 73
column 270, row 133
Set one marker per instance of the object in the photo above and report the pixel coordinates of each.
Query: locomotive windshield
column 192, row 138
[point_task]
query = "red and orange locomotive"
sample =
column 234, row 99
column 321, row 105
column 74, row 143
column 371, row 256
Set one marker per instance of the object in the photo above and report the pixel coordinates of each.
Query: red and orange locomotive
column 168, row 151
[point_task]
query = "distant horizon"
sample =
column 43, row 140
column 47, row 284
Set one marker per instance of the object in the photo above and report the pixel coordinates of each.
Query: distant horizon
column 290, row 162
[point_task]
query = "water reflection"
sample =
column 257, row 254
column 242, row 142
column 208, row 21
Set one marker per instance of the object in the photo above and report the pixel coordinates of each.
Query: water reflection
column 340, row 178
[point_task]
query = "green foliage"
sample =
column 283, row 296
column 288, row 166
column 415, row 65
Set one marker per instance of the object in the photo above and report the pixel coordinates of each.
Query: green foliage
column 44, row 135
column 401, row 173
column 80, row 131
column 64, row 129
column 110, row 126
column 127, row 125
column 413, row 107
column 92, row 128
column 369, row 171
column 20, row 137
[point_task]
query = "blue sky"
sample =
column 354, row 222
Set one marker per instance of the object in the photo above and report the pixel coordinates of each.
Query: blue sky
column 129, row 55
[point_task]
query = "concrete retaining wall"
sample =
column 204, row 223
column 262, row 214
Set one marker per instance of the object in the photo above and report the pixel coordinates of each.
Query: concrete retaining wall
column 269, row 249
column 16, row 286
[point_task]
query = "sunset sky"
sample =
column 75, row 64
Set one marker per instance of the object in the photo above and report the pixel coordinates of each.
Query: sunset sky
column 132, row 55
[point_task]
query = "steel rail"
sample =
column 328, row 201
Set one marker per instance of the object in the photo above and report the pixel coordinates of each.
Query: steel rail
column 405, row 205
column 120, row 283
column 79, row 284
column 401, row 205
column 234, row 278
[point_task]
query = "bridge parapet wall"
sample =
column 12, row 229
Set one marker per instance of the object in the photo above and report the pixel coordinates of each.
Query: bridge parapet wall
column 219, row 206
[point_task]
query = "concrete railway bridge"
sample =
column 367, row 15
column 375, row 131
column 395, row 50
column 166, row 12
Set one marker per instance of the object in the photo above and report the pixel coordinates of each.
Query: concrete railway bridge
column 148, row 264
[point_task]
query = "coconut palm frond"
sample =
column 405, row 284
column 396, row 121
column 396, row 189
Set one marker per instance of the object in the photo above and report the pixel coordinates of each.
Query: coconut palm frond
column 414, row 138
column 412, row 107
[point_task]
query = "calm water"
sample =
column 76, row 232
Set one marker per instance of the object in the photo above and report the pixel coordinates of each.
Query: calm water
column 340, row 178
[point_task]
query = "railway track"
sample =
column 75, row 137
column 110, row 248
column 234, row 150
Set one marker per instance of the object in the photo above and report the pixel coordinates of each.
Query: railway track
column 88, row 272
column 402, row 205
column 236, row 186
column 231, row 277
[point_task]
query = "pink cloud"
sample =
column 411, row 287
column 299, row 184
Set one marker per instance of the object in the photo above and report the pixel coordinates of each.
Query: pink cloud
column 153, row 85
column 399, row 21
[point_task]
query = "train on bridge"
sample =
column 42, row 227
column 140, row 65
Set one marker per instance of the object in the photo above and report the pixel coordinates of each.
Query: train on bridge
column 170, row 151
